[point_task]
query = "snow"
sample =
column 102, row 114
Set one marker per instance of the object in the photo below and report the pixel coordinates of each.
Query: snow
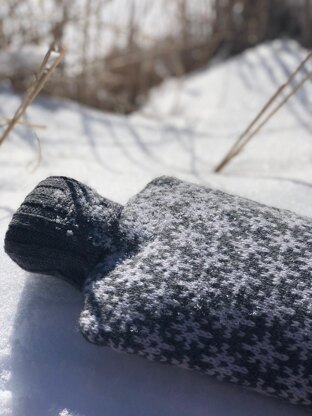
column 46, row 367
column 25, row 60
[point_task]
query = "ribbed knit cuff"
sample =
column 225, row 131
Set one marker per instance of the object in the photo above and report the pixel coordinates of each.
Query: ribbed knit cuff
column 63, row 228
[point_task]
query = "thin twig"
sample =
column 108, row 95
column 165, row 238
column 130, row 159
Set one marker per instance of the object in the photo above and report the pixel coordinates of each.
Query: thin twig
column 246, row 136
column 273, row 112
column 24, row 123
column 39, row 153
column 46, row 58
column 42, row 77
column 39, row 157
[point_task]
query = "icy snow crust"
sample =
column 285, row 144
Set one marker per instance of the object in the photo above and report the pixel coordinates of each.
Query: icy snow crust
column 46, row 367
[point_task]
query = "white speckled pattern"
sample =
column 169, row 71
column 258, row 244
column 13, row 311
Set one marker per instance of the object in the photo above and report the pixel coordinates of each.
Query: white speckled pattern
column 211, row 282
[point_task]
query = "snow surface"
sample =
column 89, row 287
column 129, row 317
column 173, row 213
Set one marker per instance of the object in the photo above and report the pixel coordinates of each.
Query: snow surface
column 46, row 367
column 25, row 60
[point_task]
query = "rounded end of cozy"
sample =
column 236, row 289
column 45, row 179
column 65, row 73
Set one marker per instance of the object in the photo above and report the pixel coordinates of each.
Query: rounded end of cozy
column 63, row 228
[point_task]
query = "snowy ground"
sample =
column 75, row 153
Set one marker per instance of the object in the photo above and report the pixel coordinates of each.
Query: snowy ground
column 46, row 367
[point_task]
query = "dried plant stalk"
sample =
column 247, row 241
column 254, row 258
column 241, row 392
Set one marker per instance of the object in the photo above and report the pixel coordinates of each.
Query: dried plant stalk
column 42, row 77
column 248, row 134
column 24, row 123
column 273, row 112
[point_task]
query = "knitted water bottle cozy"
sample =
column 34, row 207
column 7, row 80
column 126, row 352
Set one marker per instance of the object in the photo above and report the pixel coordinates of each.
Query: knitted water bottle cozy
column 181, row 274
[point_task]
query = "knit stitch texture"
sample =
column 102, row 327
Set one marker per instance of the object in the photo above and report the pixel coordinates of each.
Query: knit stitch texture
column 210, row 282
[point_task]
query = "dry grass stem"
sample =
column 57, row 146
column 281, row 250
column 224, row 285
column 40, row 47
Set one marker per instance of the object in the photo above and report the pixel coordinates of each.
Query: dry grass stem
column 249, row 133
column 44, row 73
column 24, row 123
column 39, row 153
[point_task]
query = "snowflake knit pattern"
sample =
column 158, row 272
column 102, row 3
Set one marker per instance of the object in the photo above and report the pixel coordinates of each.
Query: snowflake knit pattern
column 210, row 282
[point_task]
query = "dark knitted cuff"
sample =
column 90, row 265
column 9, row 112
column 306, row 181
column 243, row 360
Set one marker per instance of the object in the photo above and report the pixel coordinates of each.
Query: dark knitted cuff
column 62, row 229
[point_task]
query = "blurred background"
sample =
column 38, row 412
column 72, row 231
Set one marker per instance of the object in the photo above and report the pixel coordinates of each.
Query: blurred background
column 116, row 50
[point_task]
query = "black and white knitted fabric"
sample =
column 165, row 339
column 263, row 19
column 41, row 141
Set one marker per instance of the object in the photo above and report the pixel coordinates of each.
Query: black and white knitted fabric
column 182, row 274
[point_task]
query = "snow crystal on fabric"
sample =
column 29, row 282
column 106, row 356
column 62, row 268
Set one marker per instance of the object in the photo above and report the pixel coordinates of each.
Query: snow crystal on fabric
column 210, row 282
